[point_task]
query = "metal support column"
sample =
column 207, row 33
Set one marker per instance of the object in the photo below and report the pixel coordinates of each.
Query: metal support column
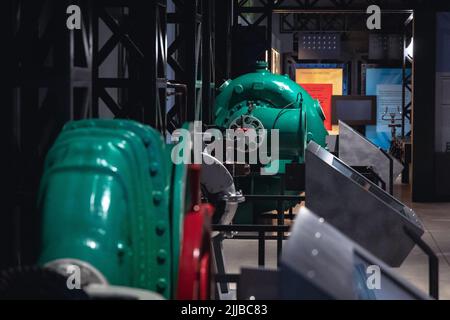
column 51, row 84
column 141, row 42
column 191, row 56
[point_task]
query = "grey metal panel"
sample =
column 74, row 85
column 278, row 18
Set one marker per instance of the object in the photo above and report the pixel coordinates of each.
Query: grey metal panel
column 214, row 176
column 319, row 45
column 216, row 179
column 319, row 262
column 356, row 150
column 326, row 272
column 332, row 143
column 258, row 284
column 358, row 208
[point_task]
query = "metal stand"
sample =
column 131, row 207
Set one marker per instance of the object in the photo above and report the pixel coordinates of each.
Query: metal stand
column 219, row 263
column 433, row 264
column 259, row 234
column 391, row 171
column 369, row 173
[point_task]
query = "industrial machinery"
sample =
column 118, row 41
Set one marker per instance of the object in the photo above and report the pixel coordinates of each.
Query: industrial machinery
column 117, row 209
column 327, row 265
column 219, row 189
column 319, row 262
column 357, row 150
column 262, row 100
column 359, row 208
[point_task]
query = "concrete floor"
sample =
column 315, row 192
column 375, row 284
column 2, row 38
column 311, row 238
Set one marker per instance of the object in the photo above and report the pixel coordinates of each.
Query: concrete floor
column 434, row 216
column 436, row 220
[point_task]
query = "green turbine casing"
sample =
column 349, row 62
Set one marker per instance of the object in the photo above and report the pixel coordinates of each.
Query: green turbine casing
column 270, row 94
column 278, row 103
column 106, row 198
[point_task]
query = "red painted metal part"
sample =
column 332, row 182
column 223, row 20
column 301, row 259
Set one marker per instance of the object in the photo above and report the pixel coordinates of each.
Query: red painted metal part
column 205, row 277
column 195, row 266
column 194, row 272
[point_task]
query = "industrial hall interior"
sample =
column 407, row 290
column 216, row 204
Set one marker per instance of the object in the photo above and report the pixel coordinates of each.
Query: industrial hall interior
column 226, row 150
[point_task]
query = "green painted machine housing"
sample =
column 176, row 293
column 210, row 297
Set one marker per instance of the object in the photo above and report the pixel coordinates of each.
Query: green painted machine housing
column 278, row 103
column 108, row 197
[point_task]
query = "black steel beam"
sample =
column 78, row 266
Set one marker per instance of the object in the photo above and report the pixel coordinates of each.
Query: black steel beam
column 222, row 19
column 423, row 114
column 191, row 56
column 207, row 56
column 139, row 35
column 7, row 233
column 337, row 21
column 406, row 79
column 184, row 51
column 51, row 84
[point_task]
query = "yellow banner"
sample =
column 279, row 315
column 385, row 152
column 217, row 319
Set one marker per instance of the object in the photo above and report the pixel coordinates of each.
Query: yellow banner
column 321, row 76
